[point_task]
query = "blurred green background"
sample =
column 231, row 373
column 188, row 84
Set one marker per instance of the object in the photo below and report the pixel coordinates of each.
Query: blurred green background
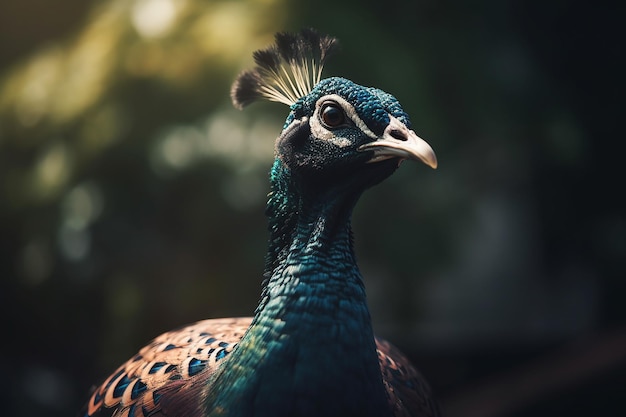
column 132, row 193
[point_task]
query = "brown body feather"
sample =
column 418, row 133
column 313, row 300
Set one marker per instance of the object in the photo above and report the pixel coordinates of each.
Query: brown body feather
column 172, row 390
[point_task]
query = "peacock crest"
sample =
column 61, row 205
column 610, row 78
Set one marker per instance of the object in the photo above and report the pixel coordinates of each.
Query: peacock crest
column 285, row 71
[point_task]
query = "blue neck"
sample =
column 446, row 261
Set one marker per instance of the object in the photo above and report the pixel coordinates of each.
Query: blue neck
column 310, row 350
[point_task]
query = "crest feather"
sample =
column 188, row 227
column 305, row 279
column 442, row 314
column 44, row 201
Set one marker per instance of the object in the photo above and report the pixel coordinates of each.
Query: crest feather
column 287, row 70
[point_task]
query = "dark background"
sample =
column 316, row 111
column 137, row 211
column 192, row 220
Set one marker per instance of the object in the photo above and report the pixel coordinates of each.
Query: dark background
column 132, row 194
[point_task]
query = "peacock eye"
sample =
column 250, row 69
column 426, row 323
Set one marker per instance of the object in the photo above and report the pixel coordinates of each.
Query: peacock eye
column 332, row 115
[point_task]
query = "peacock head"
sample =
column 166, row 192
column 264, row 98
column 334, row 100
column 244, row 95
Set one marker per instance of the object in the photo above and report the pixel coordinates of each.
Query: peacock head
column 337, row 131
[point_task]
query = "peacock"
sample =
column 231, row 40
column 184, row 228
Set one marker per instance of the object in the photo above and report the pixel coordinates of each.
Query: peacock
column 310, row 349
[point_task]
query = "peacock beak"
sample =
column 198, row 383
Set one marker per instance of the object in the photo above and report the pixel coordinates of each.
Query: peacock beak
column 398, row 141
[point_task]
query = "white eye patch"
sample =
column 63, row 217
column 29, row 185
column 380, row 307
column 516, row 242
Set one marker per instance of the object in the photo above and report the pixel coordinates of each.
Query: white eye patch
column 321, row 132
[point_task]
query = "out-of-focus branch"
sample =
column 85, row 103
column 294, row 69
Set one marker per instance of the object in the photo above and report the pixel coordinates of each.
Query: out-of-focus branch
column 501, row 395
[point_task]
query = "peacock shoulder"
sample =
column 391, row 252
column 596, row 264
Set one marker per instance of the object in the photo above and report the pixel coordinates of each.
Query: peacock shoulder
column 407, row 390
column 166, row 368
column 163, row 379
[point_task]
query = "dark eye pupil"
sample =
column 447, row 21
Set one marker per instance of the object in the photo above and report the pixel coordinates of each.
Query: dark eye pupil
column 332, row 115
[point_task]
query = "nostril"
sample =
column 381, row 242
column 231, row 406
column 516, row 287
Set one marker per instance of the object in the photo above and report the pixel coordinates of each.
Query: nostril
column 398, row 134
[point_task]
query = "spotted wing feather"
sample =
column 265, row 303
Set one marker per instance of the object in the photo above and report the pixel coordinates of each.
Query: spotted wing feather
column 408, row 392
column 167, row 376
column 165, row 369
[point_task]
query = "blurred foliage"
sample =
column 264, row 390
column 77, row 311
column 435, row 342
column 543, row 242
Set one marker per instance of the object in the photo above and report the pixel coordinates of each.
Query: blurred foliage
column 132, row 193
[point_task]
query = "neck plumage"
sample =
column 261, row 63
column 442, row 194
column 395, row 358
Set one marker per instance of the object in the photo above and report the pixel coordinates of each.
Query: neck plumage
column 310, row 349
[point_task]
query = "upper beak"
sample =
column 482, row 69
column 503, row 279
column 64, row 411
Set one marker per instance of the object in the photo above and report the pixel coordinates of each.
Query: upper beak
column 398, row 141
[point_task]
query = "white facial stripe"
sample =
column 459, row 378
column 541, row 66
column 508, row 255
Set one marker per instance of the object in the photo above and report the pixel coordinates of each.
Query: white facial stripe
column 350, row 112
column 323, row 133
